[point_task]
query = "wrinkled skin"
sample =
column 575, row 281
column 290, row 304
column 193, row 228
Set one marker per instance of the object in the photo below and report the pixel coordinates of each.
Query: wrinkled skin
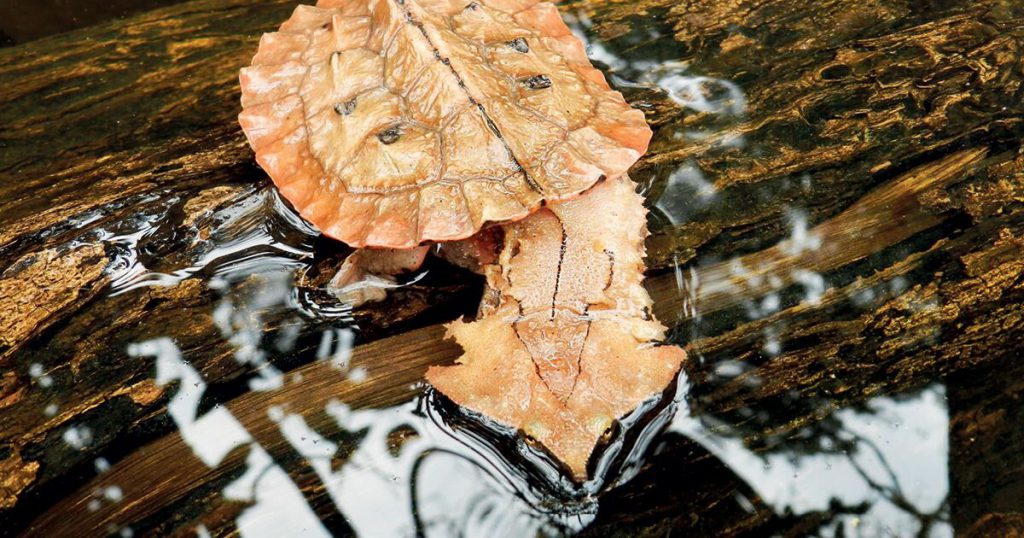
column 567, row 344
column 393, row 125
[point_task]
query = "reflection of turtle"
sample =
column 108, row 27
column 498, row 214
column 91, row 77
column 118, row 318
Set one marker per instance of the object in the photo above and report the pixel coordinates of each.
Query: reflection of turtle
column 394, row 124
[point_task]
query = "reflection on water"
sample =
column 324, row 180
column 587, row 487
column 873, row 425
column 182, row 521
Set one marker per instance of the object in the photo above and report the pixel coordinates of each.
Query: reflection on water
column 883, row 471
column 244, row 241
column 214, row 435
column 412, row 472
column 685, row 192
column 702, row 94
column 424, row 468
column 418, row 469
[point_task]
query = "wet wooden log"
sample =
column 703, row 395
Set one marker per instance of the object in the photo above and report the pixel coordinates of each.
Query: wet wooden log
column 987, row 494
column 896, row 129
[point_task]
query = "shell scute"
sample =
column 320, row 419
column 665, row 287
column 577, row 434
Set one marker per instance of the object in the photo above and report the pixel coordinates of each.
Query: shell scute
column 443, row 212
column 280, row 159
column 306, row 18
column 278, row 48
column 384, row 108
column 268, row 83
column 434, row 103
column 406, row 60
column 395, row 222
column 267, row 122
column 471, row 151
column 413, row 158
column 386, row 22
column 360, row 210
column 346, row 8
column 341, row 35
column 492, row 202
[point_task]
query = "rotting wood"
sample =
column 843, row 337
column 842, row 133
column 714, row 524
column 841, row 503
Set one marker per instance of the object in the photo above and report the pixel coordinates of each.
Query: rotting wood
column 136, row 117
column 40, row 284
column 985, row 436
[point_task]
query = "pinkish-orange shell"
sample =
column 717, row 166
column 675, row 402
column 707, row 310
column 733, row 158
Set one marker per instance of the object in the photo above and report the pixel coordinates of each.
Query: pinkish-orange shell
column 390, row 123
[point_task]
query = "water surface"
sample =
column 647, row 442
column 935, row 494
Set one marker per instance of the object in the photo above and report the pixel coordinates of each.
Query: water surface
column 843, row 378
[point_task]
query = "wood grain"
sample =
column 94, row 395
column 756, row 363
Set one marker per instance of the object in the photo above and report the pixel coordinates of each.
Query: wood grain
column 895, row 128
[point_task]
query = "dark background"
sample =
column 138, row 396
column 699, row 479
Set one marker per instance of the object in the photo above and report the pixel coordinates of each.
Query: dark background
column 24, row 20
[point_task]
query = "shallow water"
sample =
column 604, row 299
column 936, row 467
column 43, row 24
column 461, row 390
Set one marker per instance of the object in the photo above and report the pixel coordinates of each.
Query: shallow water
column 424, row 467
column 768, row 431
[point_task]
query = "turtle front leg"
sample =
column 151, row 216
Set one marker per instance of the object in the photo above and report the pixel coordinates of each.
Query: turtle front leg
column 367, row 273
column 474, row 253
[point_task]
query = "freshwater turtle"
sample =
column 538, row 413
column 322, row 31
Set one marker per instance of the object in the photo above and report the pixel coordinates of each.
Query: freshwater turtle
column 393, row 125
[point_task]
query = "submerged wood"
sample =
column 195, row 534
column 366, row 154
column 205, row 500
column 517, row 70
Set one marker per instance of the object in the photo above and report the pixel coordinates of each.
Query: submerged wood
column 906, row 122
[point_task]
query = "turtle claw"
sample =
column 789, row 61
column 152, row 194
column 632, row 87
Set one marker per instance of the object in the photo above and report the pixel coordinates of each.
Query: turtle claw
column 359, row 290
column 367, row 274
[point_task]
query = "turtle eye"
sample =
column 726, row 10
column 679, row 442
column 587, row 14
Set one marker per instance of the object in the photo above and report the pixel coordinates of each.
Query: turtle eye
column 390, row 135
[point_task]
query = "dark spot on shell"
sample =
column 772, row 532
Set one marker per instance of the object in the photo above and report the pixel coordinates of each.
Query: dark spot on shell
column 473, row 6
column 390, row 135
column 346, row 108
column 519, row 44
column 538, row 82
